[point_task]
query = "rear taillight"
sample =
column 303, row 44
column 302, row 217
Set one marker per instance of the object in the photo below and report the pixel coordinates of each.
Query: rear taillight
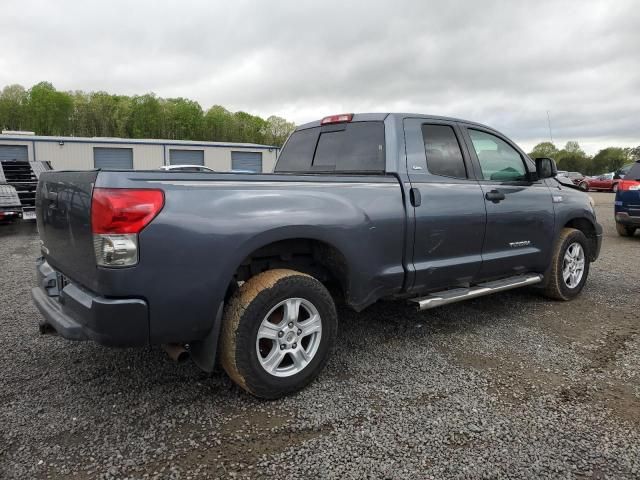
column 625, row 185
column 342, row 118
column 117, row 216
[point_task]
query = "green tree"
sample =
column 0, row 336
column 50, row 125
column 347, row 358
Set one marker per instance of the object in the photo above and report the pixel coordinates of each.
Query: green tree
column 121, row 116
column 145, row 117
column 633, row 153
column 277, row 130
column 12, row 107
column 544, row 149
column 572, row 158
column 249, row 128
column 183, row 119
column 48, row 111
column 81, row 123
column 218, row 124
column 609, row 160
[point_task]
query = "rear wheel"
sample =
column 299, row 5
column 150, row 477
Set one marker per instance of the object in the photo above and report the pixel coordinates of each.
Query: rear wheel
column 569, row 265
column 614, row 189
column 624, row 230
column 278, row 330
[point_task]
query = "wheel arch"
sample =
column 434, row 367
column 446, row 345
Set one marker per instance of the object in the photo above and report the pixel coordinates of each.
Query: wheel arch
column 267, row 245
column 305, row 250
column 587, row 227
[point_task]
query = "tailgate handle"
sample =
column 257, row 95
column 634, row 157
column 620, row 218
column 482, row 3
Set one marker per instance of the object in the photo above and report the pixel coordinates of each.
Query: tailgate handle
column 51, row 196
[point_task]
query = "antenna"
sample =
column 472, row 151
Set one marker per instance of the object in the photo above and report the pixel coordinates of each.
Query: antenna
column 549, row 122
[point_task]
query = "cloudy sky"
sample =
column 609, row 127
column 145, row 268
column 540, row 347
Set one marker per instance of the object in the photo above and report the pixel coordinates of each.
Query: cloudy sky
column 504, row 63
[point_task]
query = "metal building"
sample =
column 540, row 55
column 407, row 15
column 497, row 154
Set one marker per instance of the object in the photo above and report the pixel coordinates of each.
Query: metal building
column 80, row 153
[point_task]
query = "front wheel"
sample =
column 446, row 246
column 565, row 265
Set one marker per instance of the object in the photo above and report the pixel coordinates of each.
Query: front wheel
column 584, row 186
column 569, row 267
column 278, row 331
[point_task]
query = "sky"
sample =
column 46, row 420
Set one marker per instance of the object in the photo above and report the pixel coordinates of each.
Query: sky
column 502, row 63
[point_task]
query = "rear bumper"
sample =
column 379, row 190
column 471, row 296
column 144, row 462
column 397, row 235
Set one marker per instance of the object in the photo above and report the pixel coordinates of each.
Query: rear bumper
column 625, row 219
column 76, row 314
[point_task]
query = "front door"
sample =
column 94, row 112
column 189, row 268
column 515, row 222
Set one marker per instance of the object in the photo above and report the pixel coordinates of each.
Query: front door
column 447, row 204
column 520, row 213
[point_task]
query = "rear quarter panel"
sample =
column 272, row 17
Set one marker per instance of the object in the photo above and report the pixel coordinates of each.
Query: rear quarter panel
column 211, row 222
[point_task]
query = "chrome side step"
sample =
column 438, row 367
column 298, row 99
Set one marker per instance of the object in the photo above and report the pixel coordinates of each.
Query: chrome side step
column 481, row 289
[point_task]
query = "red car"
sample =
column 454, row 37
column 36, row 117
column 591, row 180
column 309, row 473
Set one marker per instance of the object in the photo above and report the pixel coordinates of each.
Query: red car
column 605, row 182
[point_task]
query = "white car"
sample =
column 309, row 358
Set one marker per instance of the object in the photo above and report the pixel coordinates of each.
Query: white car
column 186, row 168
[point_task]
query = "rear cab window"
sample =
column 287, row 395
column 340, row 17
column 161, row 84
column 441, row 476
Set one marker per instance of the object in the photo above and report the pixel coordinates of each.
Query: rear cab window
column 356, row 147
column 442, row 150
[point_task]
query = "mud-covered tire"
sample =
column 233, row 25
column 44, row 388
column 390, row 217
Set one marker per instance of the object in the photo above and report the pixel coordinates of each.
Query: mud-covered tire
column 555, row 286
column 243, row 316
column 624, row 230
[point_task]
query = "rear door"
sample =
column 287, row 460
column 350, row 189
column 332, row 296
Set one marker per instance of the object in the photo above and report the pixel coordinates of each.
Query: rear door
column 520, row 218
column 447, row 204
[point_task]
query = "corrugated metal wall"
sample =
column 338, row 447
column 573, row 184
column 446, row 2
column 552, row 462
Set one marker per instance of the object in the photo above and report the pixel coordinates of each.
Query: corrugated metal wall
column 186, row 157
column 14, row 152
column 250, row 161
column 79, row 156
column 113, row 158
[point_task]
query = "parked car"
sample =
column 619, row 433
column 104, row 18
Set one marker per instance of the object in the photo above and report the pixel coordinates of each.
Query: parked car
column 604, row 182
column 425, row 209
column 186, row 168
column 621, row 172
column 10, row 205
column 575, row 177
column 627, row 203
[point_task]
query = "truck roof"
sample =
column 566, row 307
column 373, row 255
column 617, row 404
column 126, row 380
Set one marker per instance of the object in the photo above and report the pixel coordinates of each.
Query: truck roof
column 381, row 116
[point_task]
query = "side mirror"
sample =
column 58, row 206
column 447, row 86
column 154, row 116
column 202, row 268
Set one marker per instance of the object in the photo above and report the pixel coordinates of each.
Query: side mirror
column 546, row 167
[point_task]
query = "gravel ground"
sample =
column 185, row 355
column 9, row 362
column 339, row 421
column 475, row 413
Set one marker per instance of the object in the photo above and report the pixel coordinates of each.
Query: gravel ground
column 505, row 386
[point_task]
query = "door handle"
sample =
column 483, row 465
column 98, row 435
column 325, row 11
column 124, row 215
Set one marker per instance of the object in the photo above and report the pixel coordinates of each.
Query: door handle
column 495, row 196
column 415, row 197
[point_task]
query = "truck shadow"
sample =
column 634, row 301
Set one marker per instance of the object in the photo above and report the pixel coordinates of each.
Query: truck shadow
column 150, row 373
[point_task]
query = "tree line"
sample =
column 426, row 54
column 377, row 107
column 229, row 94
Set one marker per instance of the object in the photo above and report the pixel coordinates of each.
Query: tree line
column 47, row 111
column 573, row 159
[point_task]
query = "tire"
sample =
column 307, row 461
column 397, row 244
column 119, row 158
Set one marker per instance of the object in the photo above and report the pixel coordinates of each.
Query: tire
column 557, row 287
column 614, row 189
column 254, row 310
column 624, row 230
column 584, row 186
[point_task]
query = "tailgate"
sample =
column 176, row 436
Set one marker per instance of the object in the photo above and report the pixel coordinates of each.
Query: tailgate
column 63, row 209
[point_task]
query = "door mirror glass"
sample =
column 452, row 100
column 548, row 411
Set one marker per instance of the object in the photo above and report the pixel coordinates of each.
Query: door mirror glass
column 546, row 167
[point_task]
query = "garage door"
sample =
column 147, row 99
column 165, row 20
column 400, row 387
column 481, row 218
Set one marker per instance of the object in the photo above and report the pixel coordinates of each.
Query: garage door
column 186, row 157
column 250, row 161
column 113, row 158
column 14, row 152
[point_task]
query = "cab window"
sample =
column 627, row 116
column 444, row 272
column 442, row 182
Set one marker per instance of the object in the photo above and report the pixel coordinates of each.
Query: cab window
column 499, row 161
column 442, row 150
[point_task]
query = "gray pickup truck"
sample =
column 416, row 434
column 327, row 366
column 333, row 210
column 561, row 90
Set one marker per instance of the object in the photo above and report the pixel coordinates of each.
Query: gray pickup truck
column 245, row 268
